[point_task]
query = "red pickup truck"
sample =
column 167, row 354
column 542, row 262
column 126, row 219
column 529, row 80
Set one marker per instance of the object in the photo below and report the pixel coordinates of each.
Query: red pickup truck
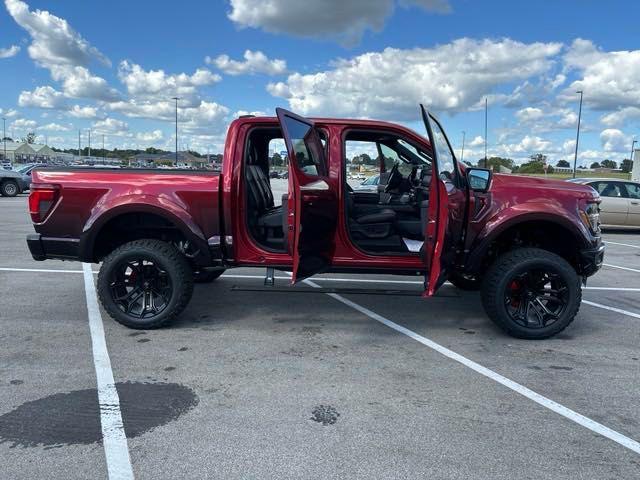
column 526, row 243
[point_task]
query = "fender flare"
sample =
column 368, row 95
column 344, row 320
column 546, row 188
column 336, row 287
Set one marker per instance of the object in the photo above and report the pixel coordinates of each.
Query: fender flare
column 161, row 207
column 491, row 232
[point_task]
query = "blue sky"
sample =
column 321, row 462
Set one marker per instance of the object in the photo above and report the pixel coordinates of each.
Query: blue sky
column 114, row 66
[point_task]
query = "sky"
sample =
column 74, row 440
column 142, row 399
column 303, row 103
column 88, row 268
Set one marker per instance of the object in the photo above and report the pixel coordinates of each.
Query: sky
column 112, row 67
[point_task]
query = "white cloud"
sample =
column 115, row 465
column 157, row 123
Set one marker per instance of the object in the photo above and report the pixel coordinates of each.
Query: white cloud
column 42, row 97
column 12, row 51
column 613, row 140
column 54, row 127
column 620, row 117
column 53, row 41
column 345, row 20
column 254, row 62
column 111, row 126
column 610, row 80
column 477, row 141
column 83, row 111
column 79, row 82
column 8, row 113
column 390, row 84
column 155, row 84
column 24, row 124
column 153, row 136
column 529, row 114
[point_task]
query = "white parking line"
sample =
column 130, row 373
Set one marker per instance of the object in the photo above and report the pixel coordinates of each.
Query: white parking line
column 114, row 438
column 621, row 268
column 613, row 309
column 623, row 244
column 516, row 387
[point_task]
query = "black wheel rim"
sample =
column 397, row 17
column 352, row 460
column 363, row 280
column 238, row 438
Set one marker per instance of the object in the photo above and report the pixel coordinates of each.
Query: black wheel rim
column 140, row 288
column 536, row 298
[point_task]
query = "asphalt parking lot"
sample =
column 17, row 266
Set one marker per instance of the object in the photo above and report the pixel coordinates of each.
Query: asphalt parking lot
column 309, row 385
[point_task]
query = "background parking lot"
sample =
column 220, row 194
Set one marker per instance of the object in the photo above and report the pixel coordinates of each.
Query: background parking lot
column 268, row 385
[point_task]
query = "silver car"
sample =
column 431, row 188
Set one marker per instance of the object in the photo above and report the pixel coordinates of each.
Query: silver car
column 620, row 207
column 369, row 185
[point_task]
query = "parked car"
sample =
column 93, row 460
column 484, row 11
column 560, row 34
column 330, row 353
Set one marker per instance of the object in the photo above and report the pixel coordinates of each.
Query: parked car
column 620, row 206
column 12, row 183
column 369, row 185
column 157, row 232
column 6, row 165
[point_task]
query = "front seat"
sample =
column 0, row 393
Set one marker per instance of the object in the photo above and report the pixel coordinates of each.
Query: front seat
column 370, row 223
column 261, row 199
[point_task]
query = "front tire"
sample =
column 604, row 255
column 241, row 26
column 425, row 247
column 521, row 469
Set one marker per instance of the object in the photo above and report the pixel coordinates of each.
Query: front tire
column 145, row 284
column 531, row 293
column 9, row 188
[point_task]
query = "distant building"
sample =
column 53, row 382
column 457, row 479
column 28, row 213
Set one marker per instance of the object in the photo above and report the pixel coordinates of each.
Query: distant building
column 17, row 152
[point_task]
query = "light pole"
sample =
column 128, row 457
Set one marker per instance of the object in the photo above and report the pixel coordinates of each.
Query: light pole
column 486, row 121
column 575, row 158
column 104, row 154
column 176, row 99
column 4, row 137
column 78, row 144
column 462, row 153
column 89, row 143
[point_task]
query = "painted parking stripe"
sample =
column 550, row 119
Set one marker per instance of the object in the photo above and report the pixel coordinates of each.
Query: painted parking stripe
column 114, row 439
column 612, row 309
column 623, row 244
column 516, row 387
column 621, row 268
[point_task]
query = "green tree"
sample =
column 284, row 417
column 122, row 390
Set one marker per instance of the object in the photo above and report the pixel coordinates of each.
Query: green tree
column 276, row 160
column 609, row 164
column 626, row 165
column 30, row 138
column 496, row 162
column 595, row 165
column 533, row 166
column 563, row 164
column 538, row 157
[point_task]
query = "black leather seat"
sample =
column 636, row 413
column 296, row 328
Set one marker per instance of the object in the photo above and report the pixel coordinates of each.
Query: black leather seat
column 261, row 199
column 385, row 215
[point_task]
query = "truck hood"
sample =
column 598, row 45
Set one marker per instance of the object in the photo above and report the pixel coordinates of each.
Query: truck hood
column 538, row 183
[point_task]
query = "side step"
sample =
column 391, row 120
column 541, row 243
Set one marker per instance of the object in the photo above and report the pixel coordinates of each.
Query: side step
column 342, row 291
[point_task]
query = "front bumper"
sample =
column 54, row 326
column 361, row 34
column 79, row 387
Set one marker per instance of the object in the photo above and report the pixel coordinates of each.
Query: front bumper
column 42, row 248
column 591, row 260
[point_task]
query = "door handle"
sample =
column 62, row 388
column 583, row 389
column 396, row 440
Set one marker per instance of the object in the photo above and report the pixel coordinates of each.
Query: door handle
column 635, row 203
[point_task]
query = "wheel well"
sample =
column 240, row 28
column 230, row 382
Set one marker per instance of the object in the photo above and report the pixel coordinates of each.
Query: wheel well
column 135, row 226
column 542, row 234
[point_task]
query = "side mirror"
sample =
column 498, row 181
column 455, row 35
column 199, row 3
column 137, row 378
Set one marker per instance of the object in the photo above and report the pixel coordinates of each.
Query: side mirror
column 479, row 179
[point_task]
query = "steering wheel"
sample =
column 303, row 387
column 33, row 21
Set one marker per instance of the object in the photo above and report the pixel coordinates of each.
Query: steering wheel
column 395, row 177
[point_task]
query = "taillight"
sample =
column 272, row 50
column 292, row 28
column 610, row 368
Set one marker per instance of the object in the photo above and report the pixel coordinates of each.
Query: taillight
column 41, row 200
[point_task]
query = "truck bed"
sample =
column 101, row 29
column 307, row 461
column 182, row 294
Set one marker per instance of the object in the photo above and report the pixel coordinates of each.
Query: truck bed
column 87, row 198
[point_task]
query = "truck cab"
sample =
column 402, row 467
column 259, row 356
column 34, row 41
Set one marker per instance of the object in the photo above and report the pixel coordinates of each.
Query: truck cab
column 526, row 243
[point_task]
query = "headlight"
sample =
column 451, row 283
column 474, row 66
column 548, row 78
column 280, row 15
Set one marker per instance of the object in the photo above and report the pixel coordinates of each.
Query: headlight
column 591, row 217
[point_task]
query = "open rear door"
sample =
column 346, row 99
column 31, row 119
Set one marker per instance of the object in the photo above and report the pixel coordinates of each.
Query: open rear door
column 313, row 202
column 446, row 207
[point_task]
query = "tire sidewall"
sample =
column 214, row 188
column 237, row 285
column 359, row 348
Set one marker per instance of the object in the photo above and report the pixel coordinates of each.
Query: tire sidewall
column 173, row 271
column 7, row 183
column 567, row 274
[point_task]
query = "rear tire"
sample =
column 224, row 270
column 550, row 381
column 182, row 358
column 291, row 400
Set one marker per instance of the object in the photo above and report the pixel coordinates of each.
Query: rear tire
column 531, row 293
column 206, row 276
column 9, row 188
column 145, row 284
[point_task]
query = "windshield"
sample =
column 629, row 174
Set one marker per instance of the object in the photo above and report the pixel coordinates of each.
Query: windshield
column 23, row 169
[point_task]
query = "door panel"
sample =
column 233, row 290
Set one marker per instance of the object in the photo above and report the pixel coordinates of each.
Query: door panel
column 633, row 194
column 445, row 225
column 615, row 206
column 312, row 209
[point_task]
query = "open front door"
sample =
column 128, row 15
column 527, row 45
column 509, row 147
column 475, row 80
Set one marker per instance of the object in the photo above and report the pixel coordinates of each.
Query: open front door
column 446, row 207
column 313, row 202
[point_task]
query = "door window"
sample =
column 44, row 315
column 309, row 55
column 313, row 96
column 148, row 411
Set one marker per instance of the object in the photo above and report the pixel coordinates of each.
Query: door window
column 307, row 159
column 446, row 162
column 633, row 190
column 608, row 189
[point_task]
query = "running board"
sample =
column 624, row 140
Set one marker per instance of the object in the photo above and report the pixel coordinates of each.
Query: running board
column 341, row 291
